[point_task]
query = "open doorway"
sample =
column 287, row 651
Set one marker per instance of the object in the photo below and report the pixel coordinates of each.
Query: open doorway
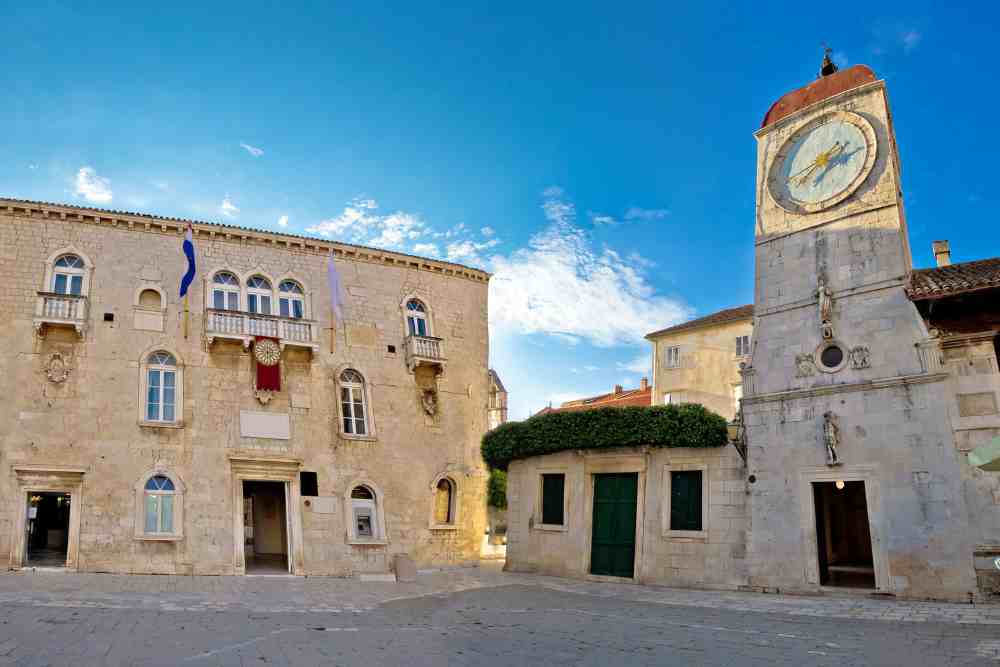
column 843, row 535
column 265, row 528
column 47, row 529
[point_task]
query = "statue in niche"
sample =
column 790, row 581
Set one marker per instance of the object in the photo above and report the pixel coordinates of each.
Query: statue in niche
column 805, row 365
column 429, row 401
column 860, row 357
column 824, row 303
column 831, row 438
column 56, row 370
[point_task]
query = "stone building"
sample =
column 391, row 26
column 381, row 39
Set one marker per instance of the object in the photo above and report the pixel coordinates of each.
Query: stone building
column 699, row 361
column 497, row 402
column 246, row 428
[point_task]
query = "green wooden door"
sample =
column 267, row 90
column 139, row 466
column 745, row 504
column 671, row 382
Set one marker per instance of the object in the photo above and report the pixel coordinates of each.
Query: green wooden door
column 612, row 549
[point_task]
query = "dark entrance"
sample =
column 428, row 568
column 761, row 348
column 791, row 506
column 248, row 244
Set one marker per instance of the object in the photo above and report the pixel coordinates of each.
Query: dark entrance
column 48, row 529
column 265, row 528
column 612, row 550
column 843, row 535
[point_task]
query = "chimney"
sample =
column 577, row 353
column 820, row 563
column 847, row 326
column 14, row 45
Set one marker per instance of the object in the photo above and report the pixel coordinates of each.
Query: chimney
column 644, row 384
column 617, row 390
column 942, row 253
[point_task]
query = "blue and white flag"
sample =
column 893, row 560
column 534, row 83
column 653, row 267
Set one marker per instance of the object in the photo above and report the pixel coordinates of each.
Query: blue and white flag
column 333, row 278
column 188, row 248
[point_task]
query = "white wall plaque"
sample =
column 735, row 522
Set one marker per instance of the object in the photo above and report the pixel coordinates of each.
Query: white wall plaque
column 324, row 504
column 265, row 425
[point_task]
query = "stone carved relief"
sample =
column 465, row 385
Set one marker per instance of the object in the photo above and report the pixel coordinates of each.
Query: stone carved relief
column 861, row 357
column 824, row 304
column 805, row 365
column 56, row 369
column 429, row 401
column 831, row 438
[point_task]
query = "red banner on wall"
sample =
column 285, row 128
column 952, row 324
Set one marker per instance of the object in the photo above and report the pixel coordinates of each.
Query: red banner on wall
column 267, row 355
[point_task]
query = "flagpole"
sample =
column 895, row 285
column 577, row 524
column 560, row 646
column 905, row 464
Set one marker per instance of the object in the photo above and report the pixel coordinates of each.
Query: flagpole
column 186, row 315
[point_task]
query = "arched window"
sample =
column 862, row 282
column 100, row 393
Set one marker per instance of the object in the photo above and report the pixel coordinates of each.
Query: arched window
column 353, row 407
column 225, row 291
column 290, row 300
column 259, row 295
column 365, row 524
column 416, row 318
column 158, row 506
column 161, row 387
column 444, row 502
column 67, row 275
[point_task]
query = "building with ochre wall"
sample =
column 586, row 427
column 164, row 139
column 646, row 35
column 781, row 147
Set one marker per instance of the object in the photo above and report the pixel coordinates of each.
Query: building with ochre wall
column 254, row 431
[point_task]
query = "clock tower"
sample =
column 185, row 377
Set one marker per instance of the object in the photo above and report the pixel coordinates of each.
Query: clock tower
column 849, row 442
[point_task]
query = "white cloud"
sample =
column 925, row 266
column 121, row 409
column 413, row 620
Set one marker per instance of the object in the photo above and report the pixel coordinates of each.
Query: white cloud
column 161, row 185
column 396, row 230
column 253, row 150
column 558, row 399
column 592, row 368
column 553, row 192
column 601, row 219
column 92, row 187
column 646, row 214
column 487, row 231
column 561, row 285
column 283, row 221
column 468, row 251
column 32, row 166
column 640, row 364
column 428, row 249
column 228, row 208
column 910, row 39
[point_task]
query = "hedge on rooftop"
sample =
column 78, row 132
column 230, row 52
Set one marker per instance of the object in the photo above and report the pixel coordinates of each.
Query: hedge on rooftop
column 685, row 425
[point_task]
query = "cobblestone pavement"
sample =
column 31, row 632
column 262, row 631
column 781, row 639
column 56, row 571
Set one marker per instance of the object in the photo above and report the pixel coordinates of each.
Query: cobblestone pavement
column 476, row 616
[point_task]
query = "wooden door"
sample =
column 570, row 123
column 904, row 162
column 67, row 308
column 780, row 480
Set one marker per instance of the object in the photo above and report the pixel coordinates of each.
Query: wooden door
column 612, row 550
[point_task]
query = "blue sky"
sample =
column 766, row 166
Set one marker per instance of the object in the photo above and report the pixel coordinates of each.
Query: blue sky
column 598, row 158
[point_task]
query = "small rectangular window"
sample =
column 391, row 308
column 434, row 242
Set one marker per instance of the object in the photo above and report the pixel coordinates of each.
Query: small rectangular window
column 668, row 398
column 553, row 495
column 685, row 500
column 308, row 483
column 742, row 346
column 672, row 357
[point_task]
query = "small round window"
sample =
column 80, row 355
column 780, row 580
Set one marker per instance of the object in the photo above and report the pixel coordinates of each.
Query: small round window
column 831, row 357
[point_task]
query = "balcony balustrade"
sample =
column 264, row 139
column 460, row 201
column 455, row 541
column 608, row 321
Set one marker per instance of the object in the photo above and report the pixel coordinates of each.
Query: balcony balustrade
column 244, row 327
column 425, row 351
column 61, row 310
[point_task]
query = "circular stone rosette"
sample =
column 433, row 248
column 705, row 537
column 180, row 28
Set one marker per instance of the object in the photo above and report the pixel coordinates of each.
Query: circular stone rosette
column 266, row 352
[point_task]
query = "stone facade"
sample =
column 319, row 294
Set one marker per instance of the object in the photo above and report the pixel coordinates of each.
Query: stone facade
column 699, row 362
column 75, row 382
column 714, row 557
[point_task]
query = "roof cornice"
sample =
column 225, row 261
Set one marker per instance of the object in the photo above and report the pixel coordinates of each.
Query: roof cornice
column 215, row 231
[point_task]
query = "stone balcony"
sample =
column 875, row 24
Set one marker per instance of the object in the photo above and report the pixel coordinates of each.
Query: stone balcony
column 61, row 310
column 243, row 327
column 425, row 351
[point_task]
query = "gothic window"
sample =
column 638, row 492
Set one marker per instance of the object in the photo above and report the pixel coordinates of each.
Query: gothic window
column 225, row 291
column 290, row 300
column 444, row 503
column 353, row 406
column 67, row 275
column 416, row 318
column 259, row 295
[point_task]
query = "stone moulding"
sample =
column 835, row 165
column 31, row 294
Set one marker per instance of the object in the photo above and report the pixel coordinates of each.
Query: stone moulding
column 922, row 378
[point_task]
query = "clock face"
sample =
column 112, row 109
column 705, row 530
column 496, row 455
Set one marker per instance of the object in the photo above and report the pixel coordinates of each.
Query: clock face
column 823, row 162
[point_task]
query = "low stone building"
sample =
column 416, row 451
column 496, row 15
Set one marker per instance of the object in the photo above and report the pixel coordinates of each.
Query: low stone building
column 246, row 427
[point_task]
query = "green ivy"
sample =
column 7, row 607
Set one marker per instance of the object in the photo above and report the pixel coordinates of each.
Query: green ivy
column 496, row 492
column 685, row 425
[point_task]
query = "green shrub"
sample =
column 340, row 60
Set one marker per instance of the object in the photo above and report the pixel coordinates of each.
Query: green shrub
column 496, row 492
column 685, row 425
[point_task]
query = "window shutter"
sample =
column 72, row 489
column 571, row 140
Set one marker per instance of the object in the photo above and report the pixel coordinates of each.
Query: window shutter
column 553, row 488
column 685, row 500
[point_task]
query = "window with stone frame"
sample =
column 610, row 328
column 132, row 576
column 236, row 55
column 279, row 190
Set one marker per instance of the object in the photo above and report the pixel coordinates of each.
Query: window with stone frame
column 353, row 404
column 417, row 322
column 225, row 291
column 259, row 295
column 159, row 506
column 161, row 388
column 553, row 499
column 672, row 356
column 742, row 346
column 444, row 502
column 67, row 275
column 685, row 500
column 364, row 511
column 291, row 300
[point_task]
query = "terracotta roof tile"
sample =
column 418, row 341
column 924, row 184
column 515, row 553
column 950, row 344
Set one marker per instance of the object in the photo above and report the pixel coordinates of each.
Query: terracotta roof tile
column 817, row 91
column 629, row 397
column 944, row 281
column 720, row 317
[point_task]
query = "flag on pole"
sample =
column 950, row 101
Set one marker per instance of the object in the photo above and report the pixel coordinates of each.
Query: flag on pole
column 188, row 248
column 333, row 278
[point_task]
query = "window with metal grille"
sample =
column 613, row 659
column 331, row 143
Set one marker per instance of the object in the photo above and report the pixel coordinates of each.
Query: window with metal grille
column 553, row 492
column 685, row 500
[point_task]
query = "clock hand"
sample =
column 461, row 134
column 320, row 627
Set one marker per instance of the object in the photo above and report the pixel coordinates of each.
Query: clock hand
column 821, row 160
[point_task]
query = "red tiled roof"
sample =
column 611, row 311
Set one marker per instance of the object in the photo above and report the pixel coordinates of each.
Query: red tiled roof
column 629, row 397
column 953, row 279
column 720, row 317
column 817, row 91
